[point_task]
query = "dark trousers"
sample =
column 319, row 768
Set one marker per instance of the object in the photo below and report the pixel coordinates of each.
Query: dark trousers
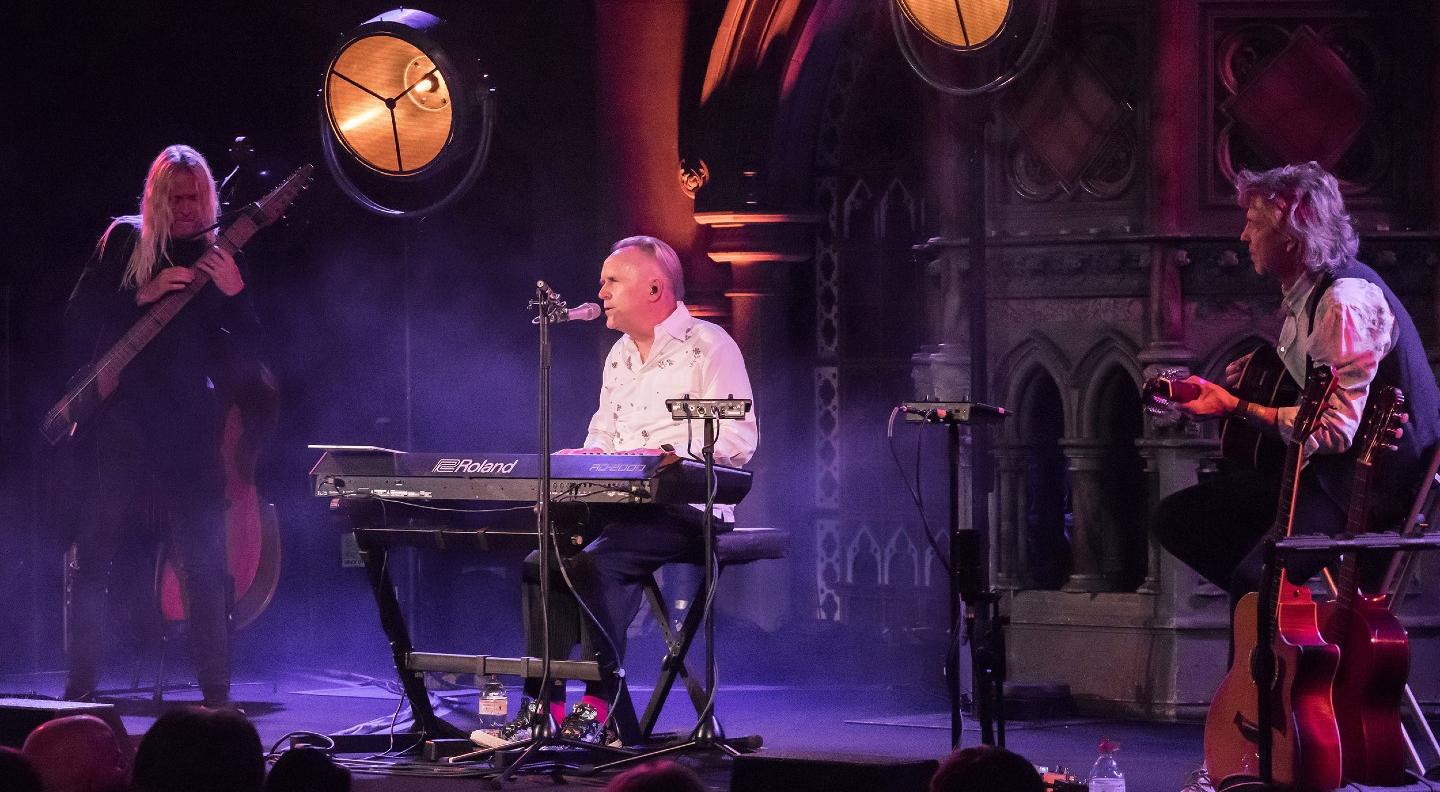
column 136, row 477
column 1216, row 526
column 633, row 542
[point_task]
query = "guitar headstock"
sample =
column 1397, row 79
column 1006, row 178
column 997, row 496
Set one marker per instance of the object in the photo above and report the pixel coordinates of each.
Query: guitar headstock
column 1160, row 393
column 1320, row 385
column 1385, row 417
column 272, row 207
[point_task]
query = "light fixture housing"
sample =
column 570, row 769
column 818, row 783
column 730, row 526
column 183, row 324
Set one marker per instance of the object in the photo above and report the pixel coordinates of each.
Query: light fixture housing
column 958, row 24
column 404, row 101
column 971, row 47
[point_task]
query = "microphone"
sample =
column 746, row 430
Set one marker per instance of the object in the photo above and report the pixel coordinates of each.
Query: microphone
column 581, row 313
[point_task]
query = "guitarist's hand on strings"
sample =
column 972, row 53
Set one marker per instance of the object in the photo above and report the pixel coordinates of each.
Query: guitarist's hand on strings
column 220, row 266
column 1236, row 369
column 1213, row 401
column 170, row 279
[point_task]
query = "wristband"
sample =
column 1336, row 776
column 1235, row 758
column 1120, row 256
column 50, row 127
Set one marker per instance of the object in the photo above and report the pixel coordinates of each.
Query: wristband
column 1242, row 410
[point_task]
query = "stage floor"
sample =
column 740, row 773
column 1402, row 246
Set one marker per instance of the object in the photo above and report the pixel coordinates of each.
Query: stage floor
column 866, row 721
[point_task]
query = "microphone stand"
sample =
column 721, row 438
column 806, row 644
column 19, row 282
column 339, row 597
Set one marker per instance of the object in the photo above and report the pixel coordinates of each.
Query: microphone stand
column 707, row 734
column 549, row 310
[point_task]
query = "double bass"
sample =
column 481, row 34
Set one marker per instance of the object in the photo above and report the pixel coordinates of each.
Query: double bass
column 1305, row 737
column 250, row 399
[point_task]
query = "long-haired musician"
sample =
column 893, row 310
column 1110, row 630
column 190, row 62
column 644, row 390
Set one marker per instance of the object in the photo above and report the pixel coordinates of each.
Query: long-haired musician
column 154, row 449
column 1338, row 312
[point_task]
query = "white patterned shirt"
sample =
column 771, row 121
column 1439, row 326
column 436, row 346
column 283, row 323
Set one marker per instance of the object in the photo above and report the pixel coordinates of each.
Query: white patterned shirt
column 1353, row 330
column 689, row 356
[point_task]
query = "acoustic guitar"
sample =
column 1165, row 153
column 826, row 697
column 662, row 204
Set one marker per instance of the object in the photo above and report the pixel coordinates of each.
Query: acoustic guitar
column 1374, row 647
column 93, row 384
column 1263, row 380
column 1305, row 738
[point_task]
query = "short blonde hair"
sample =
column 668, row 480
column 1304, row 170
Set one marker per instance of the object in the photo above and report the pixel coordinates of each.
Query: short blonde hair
column 663, row 254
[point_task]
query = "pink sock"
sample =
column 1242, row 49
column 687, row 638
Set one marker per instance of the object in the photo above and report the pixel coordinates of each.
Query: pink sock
column 602, row 707
column 557, row 710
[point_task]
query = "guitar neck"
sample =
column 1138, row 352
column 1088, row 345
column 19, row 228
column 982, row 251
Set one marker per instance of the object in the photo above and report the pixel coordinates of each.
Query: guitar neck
column 1285, row 506
column 167, row 307
column 1355, row 524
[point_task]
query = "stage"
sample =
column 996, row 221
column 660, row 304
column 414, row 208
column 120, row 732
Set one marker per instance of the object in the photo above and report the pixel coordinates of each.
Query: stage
column 845, row 722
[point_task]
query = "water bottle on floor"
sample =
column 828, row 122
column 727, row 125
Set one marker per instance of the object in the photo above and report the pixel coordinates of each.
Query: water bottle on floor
column 494, row 706
column 1105, row 776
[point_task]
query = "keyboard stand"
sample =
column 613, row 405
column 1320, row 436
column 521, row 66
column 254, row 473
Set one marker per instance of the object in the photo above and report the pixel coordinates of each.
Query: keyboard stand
column 411, row 665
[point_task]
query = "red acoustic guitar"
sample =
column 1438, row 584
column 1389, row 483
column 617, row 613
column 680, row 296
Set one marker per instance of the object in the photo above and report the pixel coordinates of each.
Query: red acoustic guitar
column 1305, row 739
column 1374, row 648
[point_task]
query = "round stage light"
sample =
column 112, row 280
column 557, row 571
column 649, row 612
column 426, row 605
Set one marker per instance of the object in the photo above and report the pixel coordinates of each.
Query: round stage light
column 958, row 24
column 404, row 102
column 971, row 47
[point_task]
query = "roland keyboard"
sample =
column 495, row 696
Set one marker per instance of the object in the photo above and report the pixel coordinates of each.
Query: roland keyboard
column 365, row 471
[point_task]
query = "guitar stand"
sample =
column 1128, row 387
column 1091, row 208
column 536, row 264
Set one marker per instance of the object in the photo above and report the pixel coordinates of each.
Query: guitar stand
column 1277, row 553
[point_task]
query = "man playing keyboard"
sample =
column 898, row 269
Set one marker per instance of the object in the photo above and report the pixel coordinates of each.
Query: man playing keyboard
column 664, row 353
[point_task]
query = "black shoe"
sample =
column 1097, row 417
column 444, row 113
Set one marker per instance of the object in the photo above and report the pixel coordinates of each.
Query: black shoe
column 514, row 731
column 582, row 724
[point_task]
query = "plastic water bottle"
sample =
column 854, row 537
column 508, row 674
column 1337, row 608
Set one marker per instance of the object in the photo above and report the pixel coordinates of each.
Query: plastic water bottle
column 1105, row 776
column 494, row 705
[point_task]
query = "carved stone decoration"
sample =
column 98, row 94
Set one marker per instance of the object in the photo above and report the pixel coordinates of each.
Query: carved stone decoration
column 1065, row 116
column 857, row 200
column 1113, row 169
column 1075, row 122
column 827, row 568
column 902, row 560
column 827, row 437
column 827, row 275
column 1028, row 175
column 1303, row 104
column 898, row 201
column 693, row 176
column 848, row 68
column 1302, row 89
column 1090, row 271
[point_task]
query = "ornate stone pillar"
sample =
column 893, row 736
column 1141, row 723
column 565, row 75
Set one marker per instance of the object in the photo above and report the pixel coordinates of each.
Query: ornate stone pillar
column 1165, row 346
column 759, row 249
column 1151, row 584
column 1087, row 509
column 1172, row 462
column 1011, row 511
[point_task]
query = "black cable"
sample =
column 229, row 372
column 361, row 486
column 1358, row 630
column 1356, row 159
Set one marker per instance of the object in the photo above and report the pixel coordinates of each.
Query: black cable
column 712, row 485
column 915, row 496
column 322, row 741
column 605, row 634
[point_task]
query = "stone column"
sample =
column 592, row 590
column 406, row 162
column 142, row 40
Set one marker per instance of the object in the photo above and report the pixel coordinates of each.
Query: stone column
column 1165, row 346
column 1087, row 509
column 1012, row 514
column 1172, row 461
column 760, row 248
column 1151, row 584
